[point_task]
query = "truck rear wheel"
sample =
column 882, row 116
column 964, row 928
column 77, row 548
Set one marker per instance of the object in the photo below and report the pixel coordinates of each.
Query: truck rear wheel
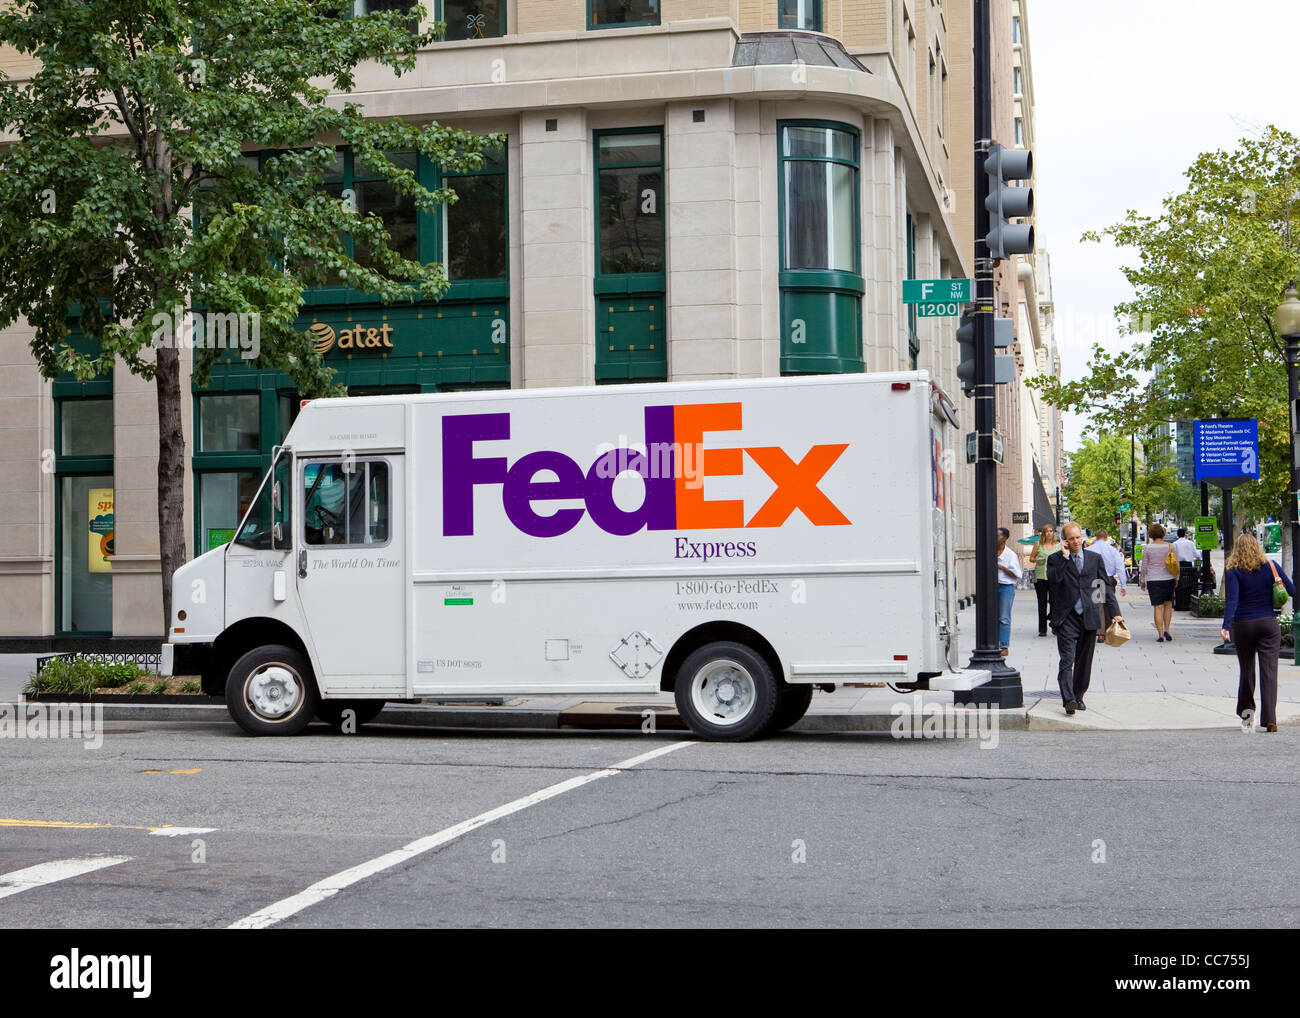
column 726, row 692
column 271, row 691
column 791, row 706
column 331, row 711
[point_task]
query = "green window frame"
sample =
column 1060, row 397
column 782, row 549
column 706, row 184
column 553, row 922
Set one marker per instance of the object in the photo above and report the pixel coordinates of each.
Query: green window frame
column 799, row 15
column 636, row 13
column 471, row 19
column 631, row 342
column 821, row 282
column 245, row 466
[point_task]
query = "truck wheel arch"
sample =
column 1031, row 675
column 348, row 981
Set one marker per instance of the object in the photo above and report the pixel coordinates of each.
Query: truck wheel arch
column 716, row 632
column 239, row 639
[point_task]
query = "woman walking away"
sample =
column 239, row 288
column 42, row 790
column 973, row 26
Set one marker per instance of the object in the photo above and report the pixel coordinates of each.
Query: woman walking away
column 1249, row 621
column 1158, row 581
column 1047, row 543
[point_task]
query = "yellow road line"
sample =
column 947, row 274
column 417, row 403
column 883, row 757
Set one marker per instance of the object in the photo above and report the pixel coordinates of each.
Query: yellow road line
column 72, row 825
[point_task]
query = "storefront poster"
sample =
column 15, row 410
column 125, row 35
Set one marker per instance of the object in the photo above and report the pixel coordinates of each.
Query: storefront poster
column 219, row 536
column 100, row 517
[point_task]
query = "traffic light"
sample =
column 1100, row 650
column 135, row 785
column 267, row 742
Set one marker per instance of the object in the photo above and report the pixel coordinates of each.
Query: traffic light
column 966, row 351
column 1006, row 202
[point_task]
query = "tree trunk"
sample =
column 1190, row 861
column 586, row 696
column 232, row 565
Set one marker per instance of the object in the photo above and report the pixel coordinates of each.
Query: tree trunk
column 171, row 474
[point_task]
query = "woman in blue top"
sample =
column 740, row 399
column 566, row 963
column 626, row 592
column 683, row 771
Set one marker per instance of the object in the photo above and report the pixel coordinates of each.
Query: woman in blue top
column 1249, row 621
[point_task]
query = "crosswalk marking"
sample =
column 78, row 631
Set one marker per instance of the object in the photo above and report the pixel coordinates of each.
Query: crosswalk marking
column 50, row 872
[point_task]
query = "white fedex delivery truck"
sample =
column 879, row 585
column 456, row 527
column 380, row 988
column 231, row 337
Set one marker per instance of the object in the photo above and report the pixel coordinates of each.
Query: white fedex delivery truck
column 738, row 543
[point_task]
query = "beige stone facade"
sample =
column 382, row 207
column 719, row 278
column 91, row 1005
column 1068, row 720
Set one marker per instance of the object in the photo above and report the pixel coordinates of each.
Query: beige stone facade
column 550, row 84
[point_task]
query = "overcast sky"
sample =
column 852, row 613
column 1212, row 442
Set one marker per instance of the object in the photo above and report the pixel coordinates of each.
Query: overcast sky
column 1127, row 94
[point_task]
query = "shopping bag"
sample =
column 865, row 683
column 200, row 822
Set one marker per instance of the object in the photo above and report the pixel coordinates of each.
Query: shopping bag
column 1117, row 633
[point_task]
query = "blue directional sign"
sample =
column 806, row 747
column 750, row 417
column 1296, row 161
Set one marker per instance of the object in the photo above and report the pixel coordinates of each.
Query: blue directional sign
column 1226, row 450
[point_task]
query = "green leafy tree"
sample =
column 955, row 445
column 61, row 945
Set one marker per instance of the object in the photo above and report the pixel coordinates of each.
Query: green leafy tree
column 136, row 125
column 1102, row 479
column 1211, row 269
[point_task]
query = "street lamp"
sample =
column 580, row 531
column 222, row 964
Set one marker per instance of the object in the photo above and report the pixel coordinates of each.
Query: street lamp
column 1287, row 320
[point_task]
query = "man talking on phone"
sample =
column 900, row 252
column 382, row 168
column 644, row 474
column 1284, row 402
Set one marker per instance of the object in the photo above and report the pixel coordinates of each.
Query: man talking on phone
column 1076, row 581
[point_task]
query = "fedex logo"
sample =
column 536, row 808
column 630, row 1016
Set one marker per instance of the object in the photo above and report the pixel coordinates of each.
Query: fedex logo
column 672, row 468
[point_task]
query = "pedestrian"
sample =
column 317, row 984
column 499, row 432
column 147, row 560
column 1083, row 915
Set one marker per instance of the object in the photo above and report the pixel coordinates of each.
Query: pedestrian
column 1047, row 544
column 1185, row 551
column 1158, row 581
column 1009, row 571
column 1250, row 622
column 1078, row 581
column 1116, row 575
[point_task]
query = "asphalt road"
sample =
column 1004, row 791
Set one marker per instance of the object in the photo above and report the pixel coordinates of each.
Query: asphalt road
column 1196, row 829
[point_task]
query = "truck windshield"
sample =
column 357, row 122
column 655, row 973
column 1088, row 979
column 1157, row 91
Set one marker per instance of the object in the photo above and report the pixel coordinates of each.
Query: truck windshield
column 269, row 508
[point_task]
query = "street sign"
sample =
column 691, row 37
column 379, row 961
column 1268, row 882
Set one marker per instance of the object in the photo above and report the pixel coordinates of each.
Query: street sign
column 1125, row 507
column 940, row 309
column 1207, row 533
column 926, row 291
column 1019, row 518
column 1226, row 451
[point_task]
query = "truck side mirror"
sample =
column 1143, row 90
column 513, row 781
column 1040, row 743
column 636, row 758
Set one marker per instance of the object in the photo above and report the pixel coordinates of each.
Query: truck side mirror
column 277, row 497
column 277, row 533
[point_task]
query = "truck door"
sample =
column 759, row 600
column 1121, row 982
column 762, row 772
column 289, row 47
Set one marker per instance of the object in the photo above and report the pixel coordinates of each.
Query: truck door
column 351, row 570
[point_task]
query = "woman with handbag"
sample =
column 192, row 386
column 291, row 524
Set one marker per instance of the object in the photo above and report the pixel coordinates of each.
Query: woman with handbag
column 1158, row 577
column 1048, row 542
column 1255, row 589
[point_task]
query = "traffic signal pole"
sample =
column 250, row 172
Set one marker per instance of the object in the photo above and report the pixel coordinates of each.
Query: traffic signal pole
column 1004, row 688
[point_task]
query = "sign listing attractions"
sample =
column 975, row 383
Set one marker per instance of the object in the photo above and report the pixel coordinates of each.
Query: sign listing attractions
column 1226, row 450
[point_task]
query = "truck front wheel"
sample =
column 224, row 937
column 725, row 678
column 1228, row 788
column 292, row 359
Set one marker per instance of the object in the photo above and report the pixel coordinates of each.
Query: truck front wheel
column 270, row 691
column 726, row 692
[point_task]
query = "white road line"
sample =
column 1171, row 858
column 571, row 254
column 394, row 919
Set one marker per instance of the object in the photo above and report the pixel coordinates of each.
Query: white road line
column 176, row 832
column 322, row 889
column 50, row 872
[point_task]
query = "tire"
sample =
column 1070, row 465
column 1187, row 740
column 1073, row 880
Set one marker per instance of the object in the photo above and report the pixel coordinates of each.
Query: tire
column 792, row 705
column 331, row 711
column 726, row 692
column 271, row 691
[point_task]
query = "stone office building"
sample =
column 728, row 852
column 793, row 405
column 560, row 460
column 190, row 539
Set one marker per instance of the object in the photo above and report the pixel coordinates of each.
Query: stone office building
column 691, row 189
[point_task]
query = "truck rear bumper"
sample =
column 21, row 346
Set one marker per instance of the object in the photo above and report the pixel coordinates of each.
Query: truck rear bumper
column 966, row 678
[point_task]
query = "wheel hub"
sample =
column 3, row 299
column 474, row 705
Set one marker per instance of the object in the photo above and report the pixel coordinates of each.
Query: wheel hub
column 274, row 691
column 724, row 692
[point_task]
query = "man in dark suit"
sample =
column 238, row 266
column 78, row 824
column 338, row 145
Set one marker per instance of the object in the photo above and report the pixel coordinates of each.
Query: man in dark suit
column 1076, row 581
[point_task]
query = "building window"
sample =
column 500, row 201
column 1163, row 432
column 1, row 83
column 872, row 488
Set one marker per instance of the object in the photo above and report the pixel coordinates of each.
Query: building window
column 84, row 512
column 228, row 422
column 475, row 242
column 1016, row 83
column 1020, row 131
column 622, row 13
column 819, row 169
column 802, row 15
column 473, row 19
column 630, row 173
column 469, row 237
column 820, row 278
column 630, row 284
column 1015, row 29
column 364, row 7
